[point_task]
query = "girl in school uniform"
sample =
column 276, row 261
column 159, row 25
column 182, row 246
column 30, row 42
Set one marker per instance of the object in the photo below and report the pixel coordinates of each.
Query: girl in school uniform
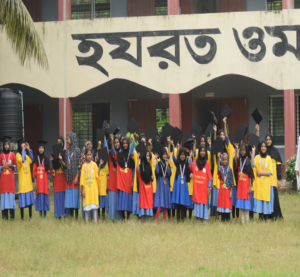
column 245, row 175
column 153, row 166
column 24, row 160
column 173, row 169
column 224, row 206
column 125, row 173
column 113, row 213
column 207, row 144
column 70, row 164
column 41, row 175
column 275, row 177
column 180, row 195
column 262, row 191
column 8, row 164
column 102, row 187
column 89, row 185
column 163, row 194
column 59, row 183
column 145, row 177
column 202, row 183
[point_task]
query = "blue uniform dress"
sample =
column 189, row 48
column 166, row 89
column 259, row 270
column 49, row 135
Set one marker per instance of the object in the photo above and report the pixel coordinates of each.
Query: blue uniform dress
column 163, row 193
column 135, row 194
column 180, row 193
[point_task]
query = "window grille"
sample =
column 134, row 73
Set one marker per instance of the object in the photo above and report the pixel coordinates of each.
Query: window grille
column 273, row 5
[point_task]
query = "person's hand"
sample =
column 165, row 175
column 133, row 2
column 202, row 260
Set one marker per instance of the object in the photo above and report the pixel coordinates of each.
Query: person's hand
column 83, row 193
column 258, row 173
column 191, row 155
column 219, row 155
column 99, row 144
column 168, row 139
column 60, row 157
column 236, row 146
column 27, row 146
column 111, row 136
column 177, row 144
column 23, row 146
column 297, row 173
column 152, row 177
column 132, row 137
column 167, row 163
column 131, row 186
column 191, row 176
column 150, row 141
column 250, row 189
column 278, row 184
column 225, row 120
column 209, row 141
column 6, row 166
column 215, row 127
column 208, row 191
column 138, row 155
column 172, row 142
column 230, row 195
column 51, row 158
column 193, row 136
column 253, row 149
column 101, row 162
column 257, row 127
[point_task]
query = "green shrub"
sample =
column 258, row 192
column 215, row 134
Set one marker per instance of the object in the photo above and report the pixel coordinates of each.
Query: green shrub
column 290, row 174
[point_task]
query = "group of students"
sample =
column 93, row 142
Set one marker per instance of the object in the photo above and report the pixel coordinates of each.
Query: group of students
column 144, row 183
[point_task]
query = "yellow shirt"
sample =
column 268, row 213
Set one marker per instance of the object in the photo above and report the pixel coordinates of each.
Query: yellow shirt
column 173, row 168
column 263, row 184
column 273, row 177
column 102, row 181
column 90, row 185
column 136, row 164
column 216, row 180
column 25, row 179
column 231, row 155
column 153, row 164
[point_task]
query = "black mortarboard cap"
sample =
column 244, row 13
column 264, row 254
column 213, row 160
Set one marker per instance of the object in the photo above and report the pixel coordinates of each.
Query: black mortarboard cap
column 104, row 125
column 254, row 140
column 189, row 142
column 209, row 130
column 257, row 116
column 132, row 126
column 175, row 136
column 100, row 136
column 114, row 129
column 212, row 118
column 41, row 143
column 195, row 130
column 6, row 139
column 151, row 133
column 167, row 130
column 57, row 149
column 244, row 128
column 157, row 148
column 180, row 133
column 102, row 154
column 142, row 149
column 217, row 145
column 238, row 134
column 226, row 111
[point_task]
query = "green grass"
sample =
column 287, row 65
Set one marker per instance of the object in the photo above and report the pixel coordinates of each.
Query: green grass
column 71, row 248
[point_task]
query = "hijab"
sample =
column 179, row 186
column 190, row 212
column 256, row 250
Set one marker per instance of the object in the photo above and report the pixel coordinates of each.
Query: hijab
column 205, row 140
column 161, row 164
column 142, row 136
column 224, row 145
column 146, row 170
column 113, row 160
column 41, row 158
column 226, row 173
column 6, row 151
column 181, row 164
column 20, row 142
column 201, row 161
column 82, row 159
column 124, row 155
column 263, row 155
column 247, row 169
column 74, row 161
column 272, row 151
column 55, row 163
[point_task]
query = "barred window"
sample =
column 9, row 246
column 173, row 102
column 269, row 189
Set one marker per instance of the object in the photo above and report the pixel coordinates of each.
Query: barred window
column 82, row 9
column 274, row 5
column 276, row 119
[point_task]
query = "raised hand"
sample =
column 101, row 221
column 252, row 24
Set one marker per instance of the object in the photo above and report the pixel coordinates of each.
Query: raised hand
column 225, row 120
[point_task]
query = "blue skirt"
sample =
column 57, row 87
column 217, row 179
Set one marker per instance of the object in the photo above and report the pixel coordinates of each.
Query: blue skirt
column 234, row 196
column 135, row 203
column 173, row 206
column 148, row 212
column 124, row 201
column 223, row 210
column 112, row 208
column 180, row 193
column 252, row 202
column 59, row 204
column 201, row 211
column 26, row 199
column 72, row 199
column 8, row 201
column 163, row 194
column 264, row 207
column 212, row 208
column 243, row 204
column 191, row 207
column 215, row 197
column 103, row 201
column 42, row 202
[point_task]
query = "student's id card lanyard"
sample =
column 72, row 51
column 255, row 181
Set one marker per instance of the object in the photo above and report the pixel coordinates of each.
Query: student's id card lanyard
column 182, row 172
column 41, row 167
column 262, row 167
column 88, row 171
column 242, row 168
column 69, row 159
column 164, row 173
column 8, row 158
column 126, row 161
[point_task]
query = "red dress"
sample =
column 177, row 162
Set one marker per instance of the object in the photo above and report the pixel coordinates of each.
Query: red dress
column 112, row 181
column 200, row 183
column 60, row 182
column 124, row 179
column 7, row 184
column 41, row 178
column 243, row 185
column 145, row 193
column 224, row 200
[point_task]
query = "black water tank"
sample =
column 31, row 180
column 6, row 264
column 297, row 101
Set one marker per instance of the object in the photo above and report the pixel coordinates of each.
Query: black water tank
column 10, row 114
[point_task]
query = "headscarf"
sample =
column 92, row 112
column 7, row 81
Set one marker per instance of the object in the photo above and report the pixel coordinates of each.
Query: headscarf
column 124, row 155
column 55, row 163
column 40, row 158
column 224, row 144
column 82, row 159
column 146, row 170
column 62, row 140
column 201, row 161
column 161, row 164
column 247, row 169
column 71, row 173
column 263, row 155
column 113, row 160
column 20, row 142
column 4, row 150
column 205, row 139
column 142, row 135
column 272, row 151
column 225, row 171
column 181, row 163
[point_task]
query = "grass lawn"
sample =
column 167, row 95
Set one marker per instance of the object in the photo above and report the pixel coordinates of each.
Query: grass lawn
column 71, row 248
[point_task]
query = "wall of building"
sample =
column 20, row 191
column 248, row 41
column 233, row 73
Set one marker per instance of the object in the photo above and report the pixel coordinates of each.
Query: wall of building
column 118, row 8
column 256, row 5
column 49, row 10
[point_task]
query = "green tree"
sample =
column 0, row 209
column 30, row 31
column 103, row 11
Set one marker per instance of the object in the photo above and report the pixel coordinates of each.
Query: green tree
column 18, row 25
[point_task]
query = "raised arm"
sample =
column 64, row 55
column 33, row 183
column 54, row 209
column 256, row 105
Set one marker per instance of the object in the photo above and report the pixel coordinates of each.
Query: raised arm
column 236, row 152
column 257, row 129
column 225, row 126
column 215, row 132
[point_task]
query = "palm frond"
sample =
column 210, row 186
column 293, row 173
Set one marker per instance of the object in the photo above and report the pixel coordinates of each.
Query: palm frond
column 16, row 21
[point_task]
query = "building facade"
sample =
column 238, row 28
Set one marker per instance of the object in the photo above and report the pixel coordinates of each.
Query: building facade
column 157, row 59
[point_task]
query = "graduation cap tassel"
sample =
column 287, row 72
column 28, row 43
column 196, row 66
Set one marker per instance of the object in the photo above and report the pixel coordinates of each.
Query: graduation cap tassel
column 227, row 128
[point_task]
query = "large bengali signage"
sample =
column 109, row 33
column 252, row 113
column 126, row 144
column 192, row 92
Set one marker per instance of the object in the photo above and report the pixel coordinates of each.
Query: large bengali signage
column 169, row 54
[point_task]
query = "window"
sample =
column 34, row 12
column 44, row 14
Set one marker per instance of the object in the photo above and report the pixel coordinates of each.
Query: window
column 273, row 5
column 276, row 119
column 162, row 117
column 161, row 7
column 82, row 9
